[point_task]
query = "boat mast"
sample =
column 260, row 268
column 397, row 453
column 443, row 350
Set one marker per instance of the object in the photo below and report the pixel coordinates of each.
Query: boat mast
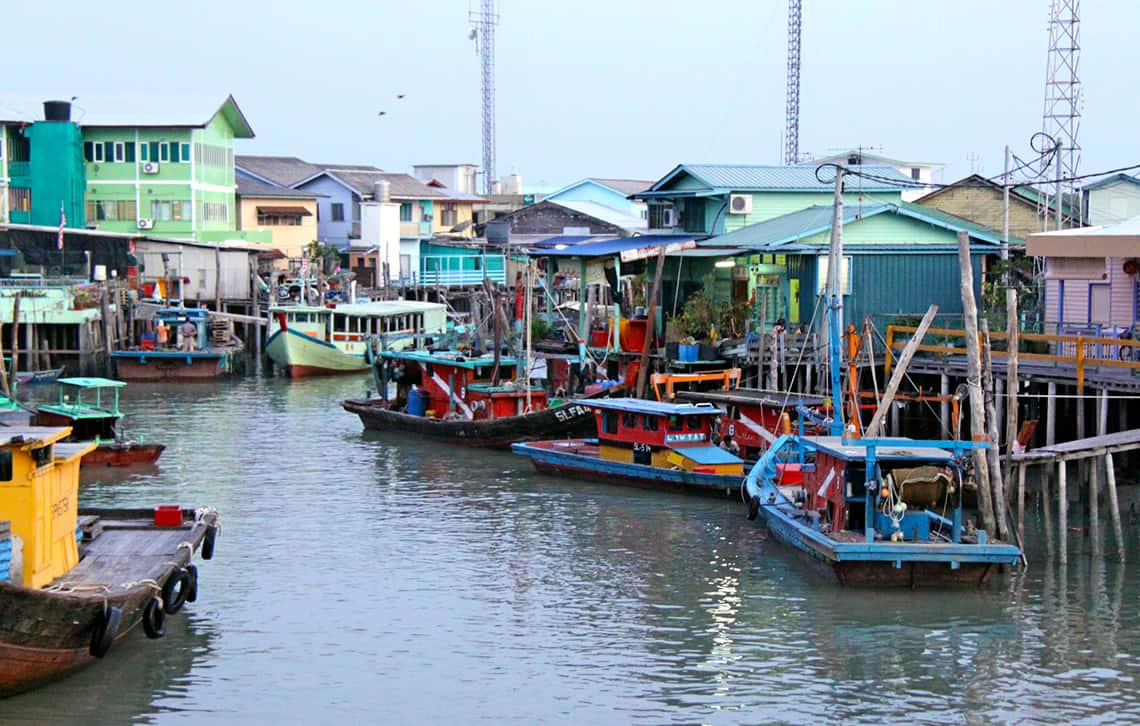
column 835, row 304
column 526, row 322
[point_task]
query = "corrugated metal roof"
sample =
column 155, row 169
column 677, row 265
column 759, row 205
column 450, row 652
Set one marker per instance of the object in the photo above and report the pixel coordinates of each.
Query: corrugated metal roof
column 737, row 177
column 625, row 186
column 600, row 247
column 613, row 216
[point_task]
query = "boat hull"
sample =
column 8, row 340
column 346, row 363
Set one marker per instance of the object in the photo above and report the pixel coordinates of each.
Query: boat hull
column 173, row 365
column 560, row 457
column 566, row 421
column 33, row 377
column 125, row 454
column 302, row 356
column 46, row 635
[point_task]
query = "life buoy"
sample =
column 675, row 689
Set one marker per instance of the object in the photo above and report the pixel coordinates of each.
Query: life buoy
column 106, row 629
column 154, row 619
column 208, row 542
column 192, row 594
column 175, row 591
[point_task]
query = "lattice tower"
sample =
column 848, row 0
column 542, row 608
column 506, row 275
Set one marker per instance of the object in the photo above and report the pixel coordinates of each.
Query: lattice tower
column 1063, row 98
column 792, row 109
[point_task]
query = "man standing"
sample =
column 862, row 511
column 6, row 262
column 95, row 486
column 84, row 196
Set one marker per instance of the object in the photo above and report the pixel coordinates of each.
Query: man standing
column 189, row 334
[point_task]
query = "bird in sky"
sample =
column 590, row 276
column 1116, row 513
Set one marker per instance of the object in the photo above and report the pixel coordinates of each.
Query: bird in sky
column 400, row 95
column 381, row 113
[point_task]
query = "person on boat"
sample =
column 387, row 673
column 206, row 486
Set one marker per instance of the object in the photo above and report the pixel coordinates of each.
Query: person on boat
column 729, row 444
column 161, row 334
column 189, row 334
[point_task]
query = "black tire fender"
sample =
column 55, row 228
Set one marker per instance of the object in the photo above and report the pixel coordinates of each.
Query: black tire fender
column 753, row 507
column 207, row 550
column 154, row 619
column 106, row 629
column 175, row 591
column 192, row 594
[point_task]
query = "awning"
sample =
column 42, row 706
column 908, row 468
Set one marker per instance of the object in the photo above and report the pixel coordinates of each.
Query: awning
column 300, row 211
column 614, row 246
column 1115, row 240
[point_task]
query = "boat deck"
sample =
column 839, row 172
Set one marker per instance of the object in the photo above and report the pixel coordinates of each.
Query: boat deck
column 128, row 551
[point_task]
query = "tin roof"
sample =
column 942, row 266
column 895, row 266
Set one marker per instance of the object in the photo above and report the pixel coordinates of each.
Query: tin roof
column 634, row 405
column 885, row 448
column 706, row 454
column 32, row 434
column 724, row 178
column 92, row 382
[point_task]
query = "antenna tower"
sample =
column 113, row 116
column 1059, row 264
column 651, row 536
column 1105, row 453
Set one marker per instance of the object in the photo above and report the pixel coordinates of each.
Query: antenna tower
column 792, row 112
column 483, row 32
column 1062, row 116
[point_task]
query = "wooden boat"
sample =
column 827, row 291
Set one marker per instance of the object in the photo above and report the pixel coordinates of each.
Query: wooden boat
column 25, row 378
column 90, row 407
column 216, row 351
column 312, row 340
column 755, row 418
column 874, row 511
column 73, row 582
column 646, row 443
column 453, row 396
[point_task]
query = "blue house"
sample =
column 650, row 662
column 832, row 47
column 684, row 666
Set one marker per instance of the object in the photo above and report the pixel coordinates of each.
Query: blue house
column 590, row 194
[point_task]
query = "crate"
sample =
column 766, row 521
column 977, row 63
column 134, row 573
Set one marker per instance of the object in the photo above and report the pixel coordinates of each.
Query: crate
column 168, row 515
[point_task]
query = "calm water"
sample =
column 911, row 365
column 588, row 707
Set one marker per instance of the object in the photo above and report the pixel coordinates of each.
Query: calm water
column 404, row 581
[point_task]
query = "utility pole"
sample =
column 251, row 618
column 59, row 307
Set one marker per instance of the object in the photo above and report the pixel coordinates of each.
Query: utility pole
column 835, row 304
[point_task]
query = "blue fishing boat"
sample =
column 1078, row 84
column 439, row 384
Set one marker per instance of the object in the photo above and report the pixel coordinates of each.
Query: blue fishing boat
column 191, row 347
column 874, row 511
column 646, row 443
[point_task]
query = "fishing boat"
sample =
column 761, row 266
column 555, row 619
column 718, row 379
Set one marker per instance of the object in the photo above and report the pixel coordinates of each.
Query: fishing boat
column 871, row 511
column 75, row 582
column 464, row 398
column 26, row 378
column 646, row 443
column 175, row 353
column 755, row 418
column 90, row 407
column 312, row 340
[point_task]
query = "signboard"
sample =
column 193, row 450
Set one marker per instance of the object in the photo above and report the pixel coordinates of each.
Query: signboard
column 528, row 199
column 642, row 253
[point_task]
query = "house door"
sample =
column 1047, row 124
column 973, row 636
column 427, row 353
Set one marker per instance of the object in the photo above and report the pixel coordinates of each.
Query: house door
column 1099, row 312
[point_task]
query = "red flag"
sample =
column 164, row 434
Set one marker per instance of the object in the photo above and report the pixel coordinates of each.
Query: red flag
column 62, row 221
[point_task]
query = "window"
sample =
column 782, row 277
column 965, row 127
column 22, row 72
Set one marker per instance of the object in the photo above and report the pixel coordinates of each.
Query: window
column 844, row 275
column 661, row 216
column 93, row 152
column 108, row 151
column 915, row 172
column 144, row 151
column 164, row 151
column 337, row 210
column 201, row 279
column 215, row 212
column 406, row 212
column 425, row 212
column 405, row 265
column 277, row 219
column 5, row 465
column 185, row 154
column 111, row 210
column 154, row 151
column 119, row 152
column 42, row 456
column 129, row 152
column 676, row 423
column 167, row 210
column 629, row 420
column 649, row 423
column 609, row 422
column 449, row 217
column 19, row 199
column 693, row 215
column 694, row 423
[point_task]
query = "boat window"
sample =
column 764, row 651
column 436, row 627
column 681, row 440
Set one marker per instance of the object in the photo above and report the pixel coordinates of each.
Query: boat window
column 695, row 422
column 649, row 423
column 629, row 420
column 354, row 325
column 676, row 423
column 5, row 465
column 609, row 422
column 42, row 456
column 291, row 317
column 338, row 322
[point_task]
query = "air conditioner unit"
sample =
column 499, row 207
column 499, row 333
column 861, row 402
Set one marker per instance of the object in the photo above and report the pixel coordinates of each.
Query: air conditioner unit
column 670, row 217
column 150, row 167
column 740, row 204
column 146, row 224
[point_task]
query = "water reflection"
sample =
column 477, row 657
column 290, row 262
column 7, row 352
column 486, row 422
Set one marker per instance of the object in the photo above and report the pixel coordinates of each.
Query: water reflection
column 417, row 581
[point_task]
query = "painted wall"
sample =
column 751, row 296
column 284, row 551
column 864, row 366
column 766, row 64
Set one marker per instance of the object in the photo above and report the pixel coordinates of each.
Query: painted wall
column 58, row 179
column 983, row 205
column 590, row 191
column 464, row 212
column 1114, row 203
column 328, row 231
column 199, row 264
column 457, row 177
column 1107, row 303
column 287, row 238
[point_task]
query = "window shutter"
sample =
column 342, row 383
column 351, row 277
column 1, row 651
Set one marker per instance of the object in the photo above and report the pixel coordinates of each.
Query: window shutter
column 129, row 151
column 108, row 151
column 88, row 151
column 154, row 151
column 174, row 152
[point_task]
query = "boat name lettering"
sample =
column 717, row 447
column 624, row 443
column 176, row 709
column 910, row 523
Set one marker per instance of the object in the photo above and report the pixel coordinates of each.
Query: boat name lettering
column 59, row 508
column 571, row 413
column 674, row 438
column 642, row 448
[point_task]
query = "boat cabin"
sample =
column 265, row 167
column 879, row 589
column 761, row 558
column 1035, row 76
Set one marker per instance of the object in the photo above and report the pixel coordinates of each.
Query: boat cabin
column 755, row 418
column 914, row 478
column 39, row 485
column 175, row 318
column 438, row 385
column 669, row 435
column 396, row 324
column 90, row 406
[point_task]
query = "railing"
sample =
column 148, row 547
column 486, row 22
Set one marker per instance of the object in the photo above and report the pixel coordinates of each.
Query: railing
column 19, row 168
column 1079, row 351
column 462, row 270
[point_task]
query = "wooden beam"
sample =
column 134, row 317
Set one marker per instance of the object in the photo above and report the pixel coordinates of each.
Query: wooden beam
column 899, row 373
column 1062, row 511
column 992, row 428
column 1114, row 505
column 651, row 319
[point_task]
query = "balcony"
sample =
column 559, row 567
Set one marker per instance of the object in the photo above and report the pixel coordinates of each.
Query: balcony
column 18, row 169
column 462, row 270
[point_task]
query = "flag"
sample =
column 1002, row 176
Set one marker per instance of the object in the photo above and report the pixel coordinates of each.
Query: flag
column 62, row 221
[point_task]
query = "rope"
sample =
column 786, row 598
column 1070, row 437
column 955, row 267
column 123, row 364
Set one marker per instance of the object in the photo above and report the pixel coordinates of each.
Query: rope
column 799, row 360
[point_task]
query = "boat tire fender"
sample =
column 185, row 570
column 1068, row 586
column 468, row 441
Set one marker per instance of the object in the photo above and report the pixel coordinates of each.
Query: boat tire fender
column 753, row 507
column 105, row 631
column 208, row 542
column 154, row 619
column 175, row 591
column 192, row 593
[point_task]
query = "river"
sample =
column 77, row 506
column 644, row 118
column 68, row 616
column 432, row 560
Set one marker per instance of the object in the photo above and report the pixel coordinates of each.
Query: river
column 399, row 580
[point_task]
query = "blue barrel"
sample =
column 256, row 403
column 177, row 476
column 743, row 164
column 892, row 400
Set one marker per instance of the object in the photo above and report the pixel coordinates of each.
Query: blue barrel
column 418, row 402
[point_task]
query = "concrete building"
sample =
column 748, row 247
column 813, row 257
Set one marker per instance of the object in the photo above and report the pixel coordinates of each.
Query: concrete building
column 612, row 193
column 456, row 177
column 922, row 174
column 288, row 215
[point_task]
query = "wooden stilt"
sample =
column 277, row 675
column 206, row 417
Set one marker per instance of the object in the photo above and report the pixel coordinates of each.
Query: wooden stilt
column 1114, row 505
column 974, row 380
column 1021, row 502
column 1051, row 414
column 1047, row 506
column 993, row 426
column 1092, row 531
column 1062, row 512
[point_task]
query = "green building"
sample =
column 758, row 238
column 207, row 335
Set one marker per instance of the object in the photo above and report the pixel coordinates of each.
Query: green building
column 161, row 174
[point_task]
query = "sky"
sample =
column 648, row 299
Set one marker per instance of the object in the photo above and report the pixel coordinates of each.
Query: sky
column 608, row 88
